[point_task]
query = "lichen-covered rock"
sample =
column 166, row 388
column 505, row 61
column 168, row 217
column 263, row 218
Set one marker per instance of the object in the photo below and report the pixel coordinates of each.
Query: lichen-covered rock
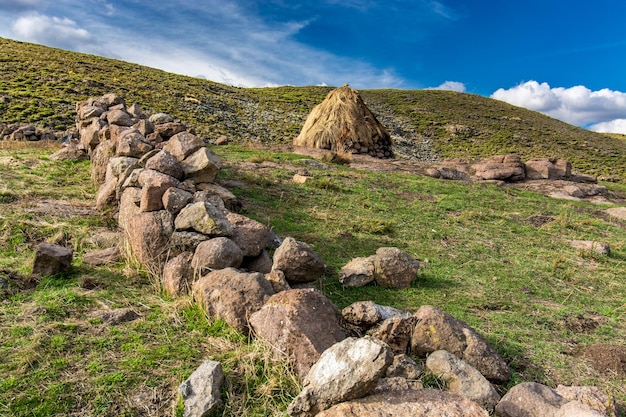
column 395, row 268
column 204, row 218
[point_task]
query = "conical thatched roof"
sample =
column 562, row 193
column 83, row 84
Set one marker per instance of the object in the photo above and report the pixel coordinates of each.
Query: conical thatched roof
column 343, row 123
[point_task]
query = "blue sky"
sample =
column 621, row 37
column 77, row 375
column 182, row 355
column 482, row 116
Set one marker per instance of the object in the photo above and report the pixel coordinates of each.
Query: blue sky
column 566, row 59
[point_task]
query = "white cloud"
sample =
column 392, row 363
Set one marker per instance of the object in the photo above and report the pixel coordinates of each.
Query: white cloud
column 576, row 105
column 450, row 86
column 53, row 31
column 614, row 126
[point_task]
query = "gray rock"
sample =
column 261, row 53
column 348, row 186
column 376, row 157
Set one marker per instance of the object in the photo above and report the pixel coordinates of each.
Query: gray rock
column 298, row 261
column 590, row 246
column 174, row 199
column 217, row 253
column 185, row 242
column 103, row 256
column 462, row 379
column 204, row 218
column 160, row 118
column 116, row 316
column 120, row 164
column 201, row 166
column 395, row 268
column 119, row 117
column 230, row 200
column 410, row 403
column 367, row 314
column 51, row 259
column 183, row 144
column 358, row 272
column 404, row 367
column 232, row 296
column 129, row 206
column 530, row 399
column 299, row 323
column 201, row 391
column 133, row 144
column 166, row 163
column 591, row 396
column 345, row 371
column 251, row 236
column 437, row 330
column 577, row 409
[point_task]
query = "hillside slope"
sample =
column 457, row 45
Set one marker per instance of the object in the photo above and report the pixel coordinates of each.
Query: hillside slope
column 41, row 85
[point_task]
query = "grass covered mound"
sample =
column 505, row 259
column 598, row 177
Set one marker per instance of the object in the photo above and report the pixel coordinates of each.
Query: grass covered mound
column 494, row 257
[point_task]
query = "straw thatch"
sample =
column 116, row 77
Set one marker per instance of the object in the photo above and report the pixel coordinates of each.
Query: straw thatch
column 344, row 124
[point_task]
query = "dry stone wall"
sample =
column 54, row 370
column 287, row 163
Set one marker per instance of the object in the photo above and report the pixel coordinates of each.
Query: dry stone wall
column 182, row 227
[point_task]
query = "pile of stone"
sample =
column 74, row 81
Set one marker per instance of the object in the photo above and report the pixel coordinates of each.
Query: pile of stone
column 184, row 228
column 29, row 132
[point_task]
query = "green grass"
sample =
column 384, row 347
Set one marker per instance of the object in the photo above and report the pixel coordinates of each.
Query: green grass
column 41, row 85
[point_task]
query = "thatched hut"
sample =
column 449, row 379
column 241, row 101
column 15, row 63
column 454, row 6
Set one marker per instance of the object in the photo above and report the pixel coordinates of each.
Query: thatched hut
column 344, row 124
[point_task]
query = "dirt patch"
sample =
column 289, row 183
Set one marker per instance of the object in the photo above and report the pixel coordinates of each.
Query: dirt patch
column 583, row 323
column 606, row 359
column 61, row 208
column 538, row 221
column 11, row 283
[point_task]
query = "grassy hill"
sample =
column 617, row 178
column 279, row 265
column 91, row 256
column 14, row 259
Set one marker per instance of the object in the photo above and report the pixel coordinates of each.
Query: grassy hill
column 41, row 85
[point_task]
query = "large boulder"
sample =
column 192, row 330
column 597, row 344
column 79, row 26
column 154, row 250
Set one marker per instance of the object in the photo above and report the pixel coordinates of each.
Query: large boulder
column 148, row 235
column 251, row 236
column 395, row 268
column 51, row 259
column 298, row 261
column 347, row 370
column 301, row 323
column 530, row 399
column 216, row 253
column 462, row 379
column 409, row 403
column 500, row 167
column 182, row 145
column 201, row 166
column 437, row 330
column 232, row 296
column 204, row 218
column 202, row 390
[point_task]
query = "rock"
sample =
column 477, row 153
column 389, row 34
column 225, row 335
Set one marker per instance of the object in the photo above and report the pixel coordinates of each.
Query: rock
column 438, row 330
column 396, row 332
column 395, row 268
column 232, row 296
column 119, row 117
column 178, row 274
column 548, row 169
column 530, row 399
column 345, row 371
column 261, row 263
column 183, row 144
column 133, row 144
column 217, row 253
column 135, row 111
column 166, row 163
column 201, row 391
column 577, row 409
column 301, row 323
column 71, row 152
column 589, row 246
column 462, row 379
column 229, row 199
column 201, row 166
column 204, row 218
column 145, row 127
column 412, row 403
column 366, row 314
column 183, row 241
column 89, row 137
column 167, row 130
column 389, row 385
column 106, row 194
column 87, row 112
column 100, row 160
column 119, row 165
column 591, row 396
column 358, row 272
column 160, row 118
column 277, row 281
column 500, row 167
column 148, row 235
column 298, row 262
column 251, row 236
column 404, row 367
column 617, row 212
column 300, row 179
column 103, row 256
column 51, row 259
column 129, row 206
column 222, row 140
column 116, row 316
column 174, row 199
column 153, row 186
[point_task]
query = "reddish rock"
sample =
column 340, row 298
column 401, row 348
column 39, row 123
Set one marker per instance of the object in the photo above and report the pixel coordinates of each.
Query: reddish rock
column 251, row 236
column 298, row 261
column 217, row 253
column 178, row 274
